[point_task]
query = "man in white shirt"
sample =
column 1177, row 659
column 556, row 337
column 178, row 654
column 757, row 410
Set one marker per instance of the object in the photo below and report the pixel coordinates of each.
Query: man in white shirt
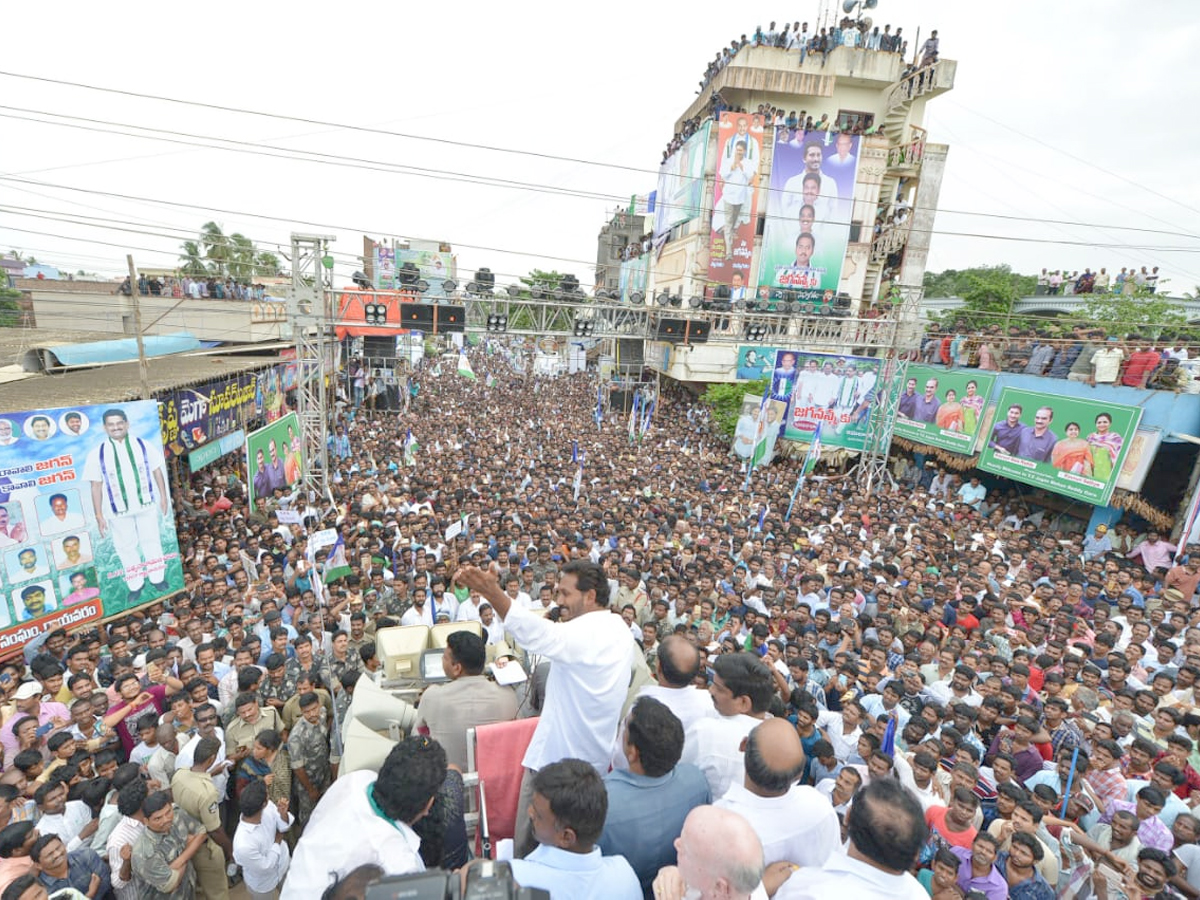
column 71, row 820
column 886, row 831
column 365, row 819
column 258, row 843
column 206, row 726
column 742, row 687
column 592, row 655
column 125, row 834
column 679, row 662
column 794, row 823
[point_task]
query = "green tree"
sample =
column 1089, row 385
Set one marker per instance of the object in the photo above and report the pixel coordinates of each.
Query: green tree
column 988, row 294
column 10, row 308
column 1141, row 313
column 193, row 260
column 725, row 401
column 216, row 248
column 242, row 257
column 267, row 265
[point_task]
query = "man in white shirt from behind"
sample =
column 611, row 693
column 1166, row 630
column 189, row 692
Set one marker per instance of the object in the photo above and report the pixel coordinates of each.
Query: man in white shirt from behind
column 592, row 655
column 741, row 689
column 119, row 846
column 367, row 819
column 886, row 830
column 258, row 843
column 794, row 823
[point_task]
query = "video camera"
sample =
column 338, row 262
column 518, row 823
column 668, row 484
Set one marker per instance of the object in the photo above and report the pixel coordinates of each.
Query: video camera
column 486, row 880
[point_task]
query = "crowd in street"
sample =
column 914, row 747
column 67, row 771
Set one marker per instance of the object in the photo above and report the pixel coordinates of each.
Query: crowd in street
column 921, row 691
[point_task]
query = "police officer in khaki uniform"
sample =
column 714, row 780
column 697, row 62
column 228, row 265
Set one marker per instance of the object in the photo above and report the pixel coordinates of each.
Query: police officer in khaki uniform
column 196, row 795
column 164, row 853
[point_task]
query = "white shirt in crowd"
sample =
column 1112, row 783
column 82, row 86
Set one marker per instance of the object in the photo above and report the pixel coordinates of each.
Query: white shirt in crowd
column 264, row 860
column 714, row 745
column 800, row 827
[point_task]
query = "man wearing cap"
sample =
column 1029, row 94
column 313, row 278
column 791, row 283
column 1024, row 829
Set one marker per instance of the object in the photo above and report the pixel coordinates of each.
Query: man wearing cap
column 1096, row 544
column 29, row 702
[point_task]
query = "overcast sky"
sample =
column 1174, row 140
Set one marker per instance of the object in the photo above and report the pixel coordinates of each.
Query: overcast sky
column 1086, row 119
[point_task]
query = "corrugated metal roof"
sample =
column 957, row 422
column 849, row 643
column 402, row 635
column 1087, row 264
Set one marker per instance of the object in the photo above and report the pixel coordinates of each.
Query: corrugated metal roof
column 119, row 383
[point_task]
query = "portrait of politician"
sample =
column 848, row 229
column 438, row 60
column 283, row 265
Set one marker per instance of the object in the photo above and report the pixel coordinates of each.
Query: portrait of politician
column 128, row 482
column 784, row 378
column 262, row 475
column 925, row 407
column 60, row 512
column 1006, row 435
column 1037, row 443
column 908, row 400
column 26, row 563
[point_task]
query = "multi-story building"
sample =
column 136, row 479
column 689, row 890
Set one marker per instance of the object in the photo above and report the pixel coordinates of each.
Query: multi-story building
column 872, row 219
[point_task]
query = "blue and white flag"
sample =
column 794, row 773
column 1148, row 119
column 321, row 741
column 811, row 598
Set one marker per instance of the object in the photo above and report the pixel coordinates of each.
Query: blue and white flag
column 599, row 414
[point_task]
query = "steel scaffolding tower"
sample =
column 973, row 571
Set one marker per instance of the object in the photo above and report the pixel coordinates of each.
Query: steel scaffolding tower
column 310, row 311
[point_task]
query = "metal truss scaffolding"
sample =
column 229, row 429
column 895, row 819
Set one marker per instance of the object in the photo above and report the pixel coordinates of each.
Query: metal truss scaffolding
column 310, row 312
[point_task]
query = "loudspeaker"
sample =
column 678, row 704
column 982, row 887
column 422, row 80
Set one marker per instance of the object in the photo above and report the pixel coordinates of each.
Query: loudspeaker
column 376, row 347
column 451, row 319
column 679, row 331
column 363, row 749
column 620, row 401
column 377, row 709
column 418, row 316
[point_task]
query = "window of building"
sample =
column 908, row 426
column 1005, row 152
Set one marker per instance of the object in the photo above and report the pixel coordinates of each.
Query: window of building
column 849, row 119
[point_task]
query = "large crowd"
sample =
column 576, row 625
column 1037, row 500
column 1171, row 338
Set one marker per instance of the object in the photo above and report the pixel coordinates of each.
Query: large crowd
column 921, row 691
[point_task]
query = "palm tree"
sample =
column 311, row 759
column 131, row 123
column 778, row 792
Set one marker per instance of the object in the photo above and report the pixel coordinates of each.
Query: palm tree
column 216, row 248
column 241, row 257
column 267, row 265
column 192, row 259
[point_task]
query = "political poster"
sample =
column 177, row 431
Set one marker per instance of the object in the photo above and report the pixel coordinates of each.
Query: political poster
column 273, row 457
column 943, row 408
column 838, row 391
column 809, row 207
column 735, row 199
column 192, row 417
column 1142, row 450
column 86, row 525
column 759, row 426
column 632, row 276
column 755, row 362
column 436, row 267
column 1069, row 445
column 681, row 182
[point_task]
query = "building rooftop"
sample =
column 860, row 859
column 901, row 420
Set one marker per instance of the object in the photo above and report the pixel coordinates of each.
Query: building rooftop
column 119, row 383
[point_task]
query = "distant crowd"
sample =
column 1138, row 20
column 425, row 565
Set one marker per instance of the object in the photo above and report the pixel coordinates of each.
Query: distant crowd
column 196, row 288
column 1128, row 281
column 1083, row 354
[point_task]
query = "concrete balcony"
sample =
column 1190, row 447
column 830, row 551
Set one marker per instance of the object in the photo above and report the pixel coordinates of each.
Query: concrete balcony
column 95, row 308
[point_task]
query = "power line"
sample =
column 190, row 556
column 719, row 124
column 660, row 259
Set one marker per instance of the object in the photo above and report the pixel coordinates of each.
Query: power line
column 300, row 155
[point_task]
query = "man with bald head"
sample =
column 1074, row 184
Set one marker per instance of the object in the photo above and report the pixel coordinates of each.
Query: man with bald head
column 719, row 857
column 794, row 822
column 679, row 662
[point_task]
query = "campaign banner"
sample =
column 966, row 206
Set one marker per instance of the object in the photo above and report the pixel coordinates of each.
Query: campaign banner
column 809, row 206
column 735, row 199
column 681, row 182
column 1068, row 445
column 838, row 391
column 273, row 457
column 86, row 524
column 755, row 362
column 435, row 266
column 194, row 416
column 943, row 408
column 385, row 268
column 759, row 426
column 632, row 276
column 1142, row 450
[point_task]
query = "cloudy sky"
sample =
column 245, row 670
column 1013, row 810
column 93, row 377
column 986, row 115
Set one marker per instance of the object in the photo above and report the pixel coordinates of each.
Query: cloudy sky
column 1070, row 134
